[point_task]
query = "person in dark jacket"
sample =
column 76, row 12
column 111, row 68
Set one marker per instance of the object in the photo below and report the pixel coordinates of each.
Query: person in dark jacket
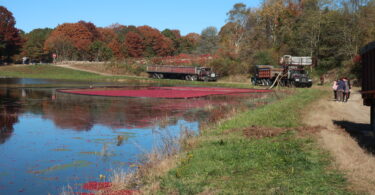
column 340, row 90
column 348, row 87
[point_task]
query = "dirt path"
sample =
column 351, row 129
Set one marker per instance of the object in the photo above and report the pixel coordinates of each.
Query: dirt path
column 346, row 135
column 85, row 70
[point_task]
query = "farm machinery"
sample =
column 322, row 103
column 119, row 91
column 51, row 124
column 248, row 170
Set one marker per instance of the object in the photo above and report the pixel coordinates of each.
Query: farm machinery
column 190, row 73
column 291, row 72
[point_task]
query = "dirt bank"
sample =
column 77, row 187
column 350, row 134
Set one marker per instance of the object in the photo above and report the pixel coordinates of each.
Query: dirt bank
column 348, row 137
column 84, row 69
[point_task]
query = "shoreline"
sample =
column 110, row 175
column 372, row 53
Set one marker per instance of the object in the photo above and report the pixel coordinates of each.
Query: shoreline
column 217, row 160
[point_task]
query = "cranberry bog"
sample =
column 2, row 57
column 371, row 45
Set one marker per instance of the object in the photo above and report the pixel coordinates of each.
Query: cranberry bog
column 163, row 92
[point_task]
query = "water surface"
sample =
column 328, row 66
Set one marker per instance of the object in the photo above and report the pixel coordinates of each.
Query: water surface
column 49, row 140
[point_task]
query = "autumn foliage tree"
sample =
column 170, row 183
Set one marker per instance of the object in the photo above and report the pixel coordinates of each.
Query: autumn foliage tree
column 175, row 37
column 72, row 40
column 134, row 44
column 330, row 31
column 156, row 44
column 190, row 42
column 10, row 39
column 120, row 39
column 84, row 41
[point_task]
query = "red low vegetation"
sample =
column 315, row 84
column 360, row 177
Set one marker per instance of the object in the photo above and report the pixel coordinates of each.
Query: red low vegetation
column 104, row 187
column 92, row 185
column 164, row 92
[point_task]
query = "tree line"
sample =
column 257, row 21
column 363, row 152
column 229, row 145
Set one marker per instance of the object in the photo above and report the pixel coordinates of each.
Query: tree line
column 84, row 41
column 331, row 31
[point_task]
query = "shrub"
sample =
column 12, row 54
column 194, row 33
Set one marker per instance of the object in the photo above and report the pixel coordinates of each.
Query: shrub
column 227, row 66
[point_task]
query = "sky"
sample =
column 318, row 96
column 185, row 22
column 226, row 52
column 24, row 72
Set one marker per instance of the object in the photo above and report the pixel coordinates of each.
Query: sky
column 184, row 15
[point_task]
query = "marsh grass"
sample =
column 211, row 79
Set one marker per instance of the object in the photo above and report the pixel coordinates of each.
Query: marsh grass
column 153, row 165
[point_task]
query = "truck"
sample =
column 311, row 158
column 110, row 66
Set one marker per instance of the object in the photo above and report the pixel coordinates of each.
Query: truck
column 367, row 54
column 292, row 72
column 266, row 74
column 189, row 73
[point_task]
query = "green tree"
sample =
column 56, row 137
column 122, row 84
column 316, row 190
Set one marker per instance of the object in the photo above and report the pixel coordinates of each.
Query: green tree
column 99, row 51
column 236, row 27
column 209, row 41
column 34, row 45
column 176, row 38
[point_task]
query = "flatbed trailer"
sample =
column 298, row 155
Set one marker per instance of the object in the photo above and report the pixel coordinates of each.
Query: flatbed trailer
column 190, row 73
column 368, row 79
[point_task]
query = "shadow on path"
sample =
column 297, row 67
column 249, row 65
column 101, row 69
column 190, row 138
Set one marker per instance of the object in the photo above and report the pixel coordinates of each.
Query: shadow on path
column 361, row 133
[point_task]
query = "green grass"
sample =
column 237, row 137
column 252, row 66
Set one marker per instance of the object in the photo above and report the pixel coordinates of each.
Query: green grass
column 225, row 163
column 54, row 72
column 46, row 72
column 286, row 113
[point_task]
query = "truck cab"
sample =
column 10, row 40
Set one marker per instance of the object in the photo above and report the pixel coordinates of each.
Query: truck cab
column 299, row 78
column 206, row 74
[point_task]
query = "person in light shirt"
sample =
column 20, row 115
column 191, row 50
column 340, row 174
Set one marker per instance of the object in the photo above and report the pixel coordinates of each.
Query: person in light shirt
column 334, row 87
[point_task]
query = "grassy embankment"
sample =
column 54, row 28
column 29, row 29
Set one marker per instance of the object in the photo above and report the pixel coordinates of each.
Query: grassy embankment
column 262, row 151
column 54, row 72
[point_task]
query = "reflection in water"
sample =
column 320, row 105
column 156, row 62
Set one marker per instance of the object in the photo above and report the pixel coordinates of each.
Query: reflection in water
column 81, row 113
column 9, row 110
column 48, row 139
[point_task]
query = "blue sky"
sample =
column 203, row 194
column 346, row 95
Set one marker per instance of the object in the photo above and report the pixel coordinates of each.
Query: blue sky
column 184, row 15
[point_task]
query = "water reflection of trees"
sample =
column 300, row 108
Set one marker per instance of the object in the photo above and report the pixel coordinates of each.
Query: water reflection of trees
column 113, row 112
column 9, row 111
column 81, row 113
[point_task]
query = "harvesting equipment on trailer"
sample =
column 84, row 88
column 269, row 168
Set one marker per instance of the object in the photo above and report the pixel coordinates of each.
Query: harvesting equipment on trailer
column 291, row 73
column 368, row 79
column 190, row 73
column 266, row 74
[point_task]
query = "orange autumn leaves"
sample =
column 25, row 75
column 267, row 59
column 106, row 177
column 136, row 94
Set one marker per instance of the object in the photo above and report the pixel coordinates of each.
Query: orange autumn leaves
column 75, row 41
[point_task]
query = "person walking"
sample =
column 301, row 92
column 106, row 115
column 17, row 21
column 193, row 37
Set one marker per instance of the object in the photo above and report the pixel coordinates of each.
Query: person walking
column 334, row 87
column 340, row 90
column 322, row 80
column 348, row 86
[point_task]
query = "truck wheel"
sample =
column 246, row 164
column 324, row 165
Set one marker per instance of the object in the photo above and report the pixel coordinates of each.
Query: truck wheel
column 194, row 77
column 155, row 76
column 292, row 84
column 263, row 82
column 269, row 82
column 284, row 83
column 160, row 76
column 188, row 77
